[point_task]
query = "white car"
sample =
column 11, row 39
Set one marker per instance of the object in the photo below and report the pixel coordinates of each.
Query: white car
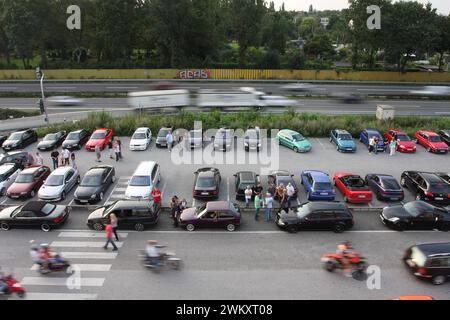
column 141, row 139
column 276, row 101
column 8, row 174
column 65, row 101
column 433, row 91
column 58, row 184
column 141, row 184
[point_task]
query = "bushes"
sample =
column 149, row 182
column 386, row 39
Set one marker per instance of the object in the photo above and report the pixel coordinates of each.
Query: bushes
column 8, row 113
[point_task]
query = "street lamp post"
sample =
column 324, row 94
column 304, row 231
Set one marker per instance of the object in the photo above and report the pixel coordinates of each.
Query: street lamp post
column 41, row 76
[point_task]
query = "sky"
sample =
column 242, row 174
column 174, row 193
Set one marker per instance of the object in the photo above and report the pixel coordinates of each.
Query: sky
column 443, row 6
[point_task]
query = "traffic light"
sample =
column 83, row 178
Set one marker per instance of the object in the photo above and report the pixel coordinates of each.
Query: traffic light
column 41, row 106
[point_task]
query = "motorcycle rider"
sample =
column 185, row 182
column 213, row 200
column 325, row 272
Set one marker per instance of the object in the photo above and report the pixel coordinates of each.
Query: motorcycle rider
column 48, row 256
column 153, row 253
column 345, row 251
column 3, row 284
column 36, row 256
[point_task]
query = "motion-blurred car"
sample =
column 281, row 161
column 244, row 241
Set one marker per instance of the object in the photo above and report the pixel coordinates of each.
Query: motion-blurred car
column 431, row 141
column 432, row 91
column 8, row 174
column 445, row 136
column 22, row 158
column 161, row 140
column 294, row 140
column 282, row 177
column 385, row 187
column 427, row 186
column 223, row 139
column 343, row 140
column 76, row 139
column 404, row 142
column 416, row 215
column 207, row 183
column 252, row 139
column 20, row 140
column 305, row 88
column 58, row 184
column 318, row 185
column 95, row 184
column 245, row 179
column 34, row 214
column 353, row 187
column 346, row 97
column 141, row 139
column 275, row 101
column 215, row 214
column 100, row 137
column 194, row 139
column 65, row 101
column 28, row 182
column 52, row 141
column 367, row 134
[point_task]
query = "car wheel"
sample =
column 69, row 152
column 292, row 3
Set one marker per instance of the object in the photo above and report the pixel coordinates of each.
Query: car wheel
column 295, row 149
column 445, row 228
column 330, row 266
column 32, row 194
column 45, row 227
column 401, row 226
column 379, row 198
column 5, row 227
column 139, row 227
column 190, row 227
column 63, row 195
column 339, row 228
column 292, row 229
column 438, row 280
column 231, row 227
column 98, row 226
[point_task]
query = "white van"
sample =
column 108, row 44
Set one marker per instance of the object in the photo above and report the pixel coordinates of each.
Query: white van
column 146, row 176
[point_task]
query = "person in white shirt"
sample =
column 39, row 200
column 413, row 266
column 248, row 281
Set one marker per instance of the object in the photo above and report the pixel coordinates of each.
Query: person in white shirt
column 39, row 159
column 169, row 140
column 66, row 155
column 153, row 253
column 290, row 193
column 248, row 196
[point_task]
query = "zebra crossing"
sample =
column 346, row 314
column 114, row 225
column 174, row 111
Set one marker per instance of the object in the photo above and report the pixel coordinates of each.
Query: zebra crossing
column 119, row 190
column 89, row 267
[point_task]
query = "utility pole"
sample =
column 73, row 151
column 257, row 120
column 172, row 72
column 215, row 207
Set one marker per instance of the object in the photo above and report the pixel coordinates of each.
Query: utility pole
column 40, row 76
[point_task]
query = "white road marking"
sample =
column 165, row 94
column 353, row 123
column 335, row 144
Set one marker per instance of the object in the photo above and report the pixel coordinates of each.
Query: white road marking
column 60, row 88
column 193, row 203
column 40, row 281
column 59, row 296
column 84, row 267
column 81, row 244
column 8, row 88
column 90, row 255
column 113, row 88
column 87, row 234
column 388, row 90
column 71, row 202
column 320, row 142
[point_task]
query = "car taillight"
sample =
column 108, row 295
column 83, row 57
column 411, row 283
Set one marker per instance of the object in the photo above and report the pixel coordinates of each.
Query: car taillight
column 215, row 192
column 422, row 271
column 448, row 196
column 429, row 194
column 59, row 219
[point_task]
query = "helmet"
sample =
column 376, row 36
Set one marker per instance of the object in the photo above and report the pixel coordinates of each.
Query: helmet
column 152, row 242
column 45, row 246
column 347, row 243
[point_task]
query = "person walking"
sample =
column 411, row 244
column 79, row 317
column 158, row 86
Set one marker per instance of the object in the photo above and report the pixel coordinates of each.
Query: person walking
column 114, row 224
column 111, row 148
column 169, row 140
column 290, row 190
column 117, row 151
column 61, row 159
column 72, row 159
column 66, row 155
column 98, row 153
column 39, row 159
column 393, row 147
column 248, row 193
column 269, row 206
column 109, row 238
column 371, row 145
column 55, row 157
column 257, row 206
column 119, row 143
column 156, row 195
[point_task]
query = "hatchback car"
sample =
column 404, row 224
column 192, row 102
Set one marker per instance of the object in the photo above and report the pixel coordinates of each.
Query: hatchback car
column 293, row 140
column 445, row 136
column 216, row 214
column 8, row 174
column 223, row 139
column 58, row 184
column 76, row 140
column 343, row 140
column 404, row 142
column 136, row 215
column 252, row 139
column 353, row 187
column 141, row 139
column 429, row 261
column 195, row 139
column 207, row 183
column 52, row 141
column 368, row 134
column 161, row 141
column 427, row 186
column 146, row 176
column 28, row 182
column 95, row 184
column 20, row 140
column 318, row 185
column 100, row 137
column 431, row 141
column 21, row 158
column 385, row 187
column 316, row 216
column 243, row 180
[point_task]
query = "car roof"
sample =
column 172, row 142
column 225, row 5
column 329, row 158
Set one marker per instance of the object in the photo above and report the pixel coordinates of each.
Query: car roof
column 34, row 206
column 143, row 129
column 341, row 131
column 6, row 167
column 247, row 176
column 61, row 170
column 327, row 205
column 429, row 133
column 145, row 168
column 431, row 249
column 78, row 131
column 431, row 177
column 218, row 205
column 280, row 173
column 133, row 204
column 101, row 130
column 372, row 130
column 95, row 171
column 289, row 131
column 32, row 169
column 319, row 176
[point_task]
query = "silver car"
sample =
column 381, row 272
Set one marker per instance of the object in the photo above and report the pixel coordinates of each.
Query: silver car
column 223, row 140
column 252, row 139
column 58, row 184
column 194, row 139
column 65, row 101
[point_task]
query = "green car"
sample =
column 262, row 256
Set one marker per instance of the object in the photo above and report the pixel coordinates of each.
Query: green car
column 294, row 140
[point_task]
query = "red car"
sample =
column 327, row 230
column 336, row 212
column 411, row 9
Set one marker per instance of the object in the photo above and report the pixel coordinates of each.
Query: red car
column 431, row 141
column 100, row 137
column 28, row 182
column 404, row 142
column 354, row 188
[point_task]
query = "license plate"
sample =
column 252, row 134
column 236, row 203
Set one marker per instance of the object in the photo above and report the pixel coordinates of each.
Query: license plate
column 439, row 199
column 83, row 201
column 15, row 197
column 324, row 194
column 361, row 197
column 205, row 193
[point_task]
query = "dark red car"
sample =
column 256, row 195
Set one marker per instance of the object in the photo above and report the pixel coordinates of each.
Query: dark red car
column 431, row 141
column 404, row 142
column 353, row 187
column 28, row 182
column 100, row 137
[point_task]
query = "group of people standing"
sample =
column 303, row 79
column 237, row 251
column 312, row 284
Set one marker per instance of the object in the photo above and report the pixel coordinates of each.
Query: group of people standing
column 176, row 208
column 65, row 158
column 373, row 145
column 114, row 148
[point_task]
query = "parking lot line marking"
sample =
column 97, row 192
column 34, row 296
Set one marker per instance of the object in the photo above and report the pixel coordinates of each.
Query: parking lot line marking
column 84, row 267
column 81, row 244
column 86, row 234
column 320, row 142
column 39, row 281
column 71, row 202
column 112, row 192
column 4, row 201
column 193, row 203
column 59, row 296
column 89, row 255
column 120, row 189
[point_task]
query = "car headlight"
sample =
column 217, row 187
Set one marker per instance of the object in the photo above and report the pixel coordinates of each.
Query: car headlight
column 281, row 223
column 246, row 144
column 24, row 193
column 94, row 196
column 394, row 219
column 259, row 145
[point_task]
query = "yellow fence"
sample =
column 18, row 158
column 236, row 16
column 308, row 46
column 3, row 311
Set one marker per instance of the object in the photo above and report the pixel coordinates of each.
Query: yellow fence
column 230, row 74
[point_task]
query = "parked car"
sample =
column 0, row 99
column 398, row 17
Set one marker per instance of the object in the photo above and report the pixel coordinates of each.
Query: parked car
column 223, row 140
column 353, row 187
column 41, row 214
column 427, row 186
column 216, row 214
column 244, row 179
column 293, row 140
column 431, row 141
column 100, row 137
column 52, row 141
column 8, row 174
column 444, row 175
column 136, row 215
column 318, row 185
column 58, row 184
column 28, row 182
column 161, row 138
column 404, row 142
column 252, row 139
column 385, row 187
column 141, row 184
column 445, row 136
column 207, row 183
column 416, row 215
column 316, row 216
column 95, row 184
column 3, row 138
column 76, row 139
column 367, row 134
column 65, row 101
column 195, row 139
column 282, row 177
column 22, row 158
column 429, row 261
column 343, row 140
column 20, row 140
column 141, row 139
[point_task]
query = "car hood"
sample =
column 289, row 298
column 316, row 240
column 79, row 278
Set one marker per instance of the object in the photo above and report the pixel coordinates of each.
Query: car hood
column 439, row 145
column 407, row 144
column 97, row 214
column 347, row 143
column 93, row 143
column 10, row 142
column 395, row 211
column 70, row 142
column 21, row 187
column 6, row 213
column 46, row 143
column 189, row 214
column 138, row 142
column 50, row 190
column 138, row 191
column 87, row 192
column 305, row 144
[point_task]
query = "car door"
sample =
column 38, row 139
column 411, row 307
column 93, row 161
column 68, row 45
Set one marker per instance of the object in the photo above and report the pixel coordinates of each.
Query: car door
column 426, row 220
column 25, row 219
column 334, row 136
column 225, row 218
column 313, row 221
column 68, row 180
column 208, row 220
column 420, row 186
column 410, row 181
column 364, row 138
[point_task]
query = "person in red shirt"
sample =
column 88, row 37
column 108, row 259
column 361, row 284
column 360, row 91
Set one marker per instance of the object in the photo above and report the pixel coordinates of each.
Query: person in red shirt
column 109, row 237
column 156, row 195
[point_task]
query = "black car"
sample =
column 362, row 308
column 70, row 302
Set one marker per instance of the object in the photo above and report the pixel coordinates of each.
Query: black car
column 52, row 141
column 283, row 177
column 385, row 187
column 416, row 215
column 427, row 187
column 20, row 140
column 444, row 175
column 429, row 261
column 95, row 183
column 334, row 216
column 445, row 136
column 34, row 214
column 207, row 183
column 244, row 179
column 3, row 138
column 135, row 215
column 22, row 158
column 76, row 139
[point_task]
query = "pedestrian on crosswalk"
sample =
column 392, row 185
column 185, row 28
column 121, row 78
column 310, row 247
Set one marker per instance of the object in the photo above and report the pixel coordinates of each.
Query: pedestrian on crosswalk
column 109, row 238
column 114, row 224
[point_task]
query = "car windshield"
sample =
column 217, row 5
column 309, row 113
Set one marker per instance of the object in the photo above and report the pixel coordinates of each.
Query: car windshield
column 73, row 136
column 50, row 137
column 298, row 137
column 416, row 208
column 25, row 178
column 108, row 208
column 163, row 133
column 435, row 139
column 201, row 209
column 206, row 182
column 403, row 137
column 345, row 137
column 390, row 183
column 139, row 136
column 15, row 136
column 47, row 209
column 252, row 134
column 53, row 181
column 91, row 181
column 303, row 211
column 196, row 134
column 322, row 186
column 440, row 187
column 140, row 181
column 98, row 136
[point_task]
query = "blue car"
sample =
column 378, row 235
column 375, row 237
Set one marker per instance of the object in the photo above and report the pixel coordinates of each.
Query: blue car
column 343, row 140
column 318, row 185
column 367, row 134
